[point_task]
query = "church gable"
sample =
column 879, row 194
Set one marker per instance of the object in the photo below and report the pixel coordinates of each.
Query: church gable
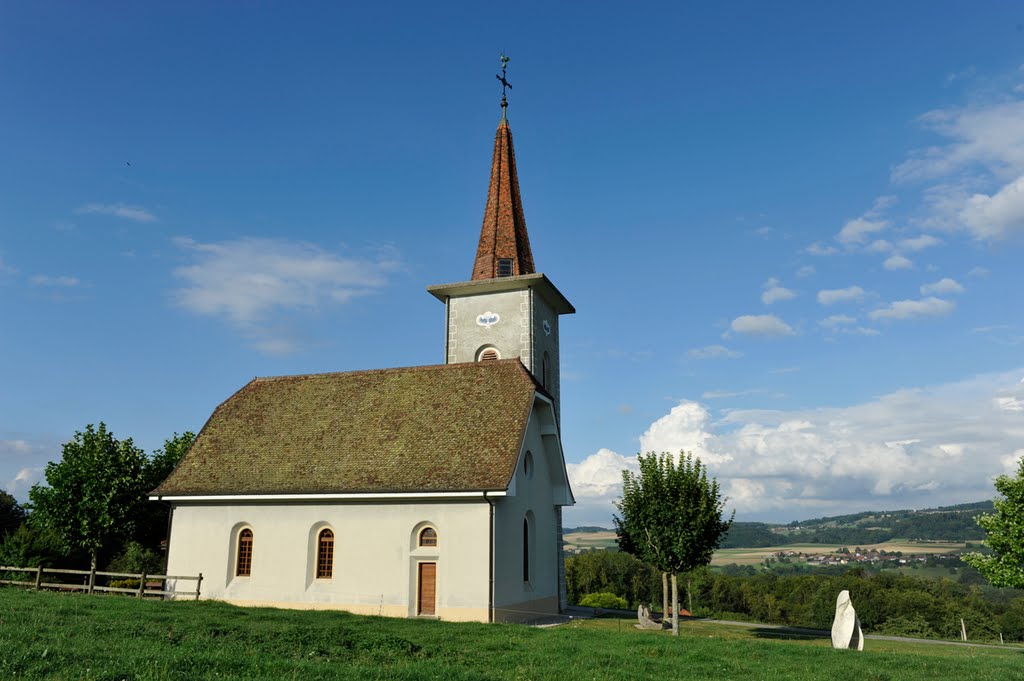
column 445, row 428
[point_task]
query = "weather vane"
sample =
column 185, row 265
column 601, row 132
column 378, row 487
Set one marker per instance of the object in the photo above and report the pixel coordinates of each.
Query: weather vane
column 504, row 84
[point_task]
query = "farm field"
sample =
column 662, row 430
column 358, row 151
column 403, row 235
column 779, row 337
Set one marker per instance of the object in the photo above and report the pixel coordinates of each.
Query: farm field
column 590, row 540
column 50, row 635
column 756, row 556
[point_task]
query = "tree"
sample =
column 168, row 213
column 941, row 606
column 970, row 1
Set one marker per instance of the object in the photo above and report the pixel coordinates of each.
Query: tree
column 94, row 493
column 12, row 515
column 151, row 527
column 671, row 516
column 1005, row 534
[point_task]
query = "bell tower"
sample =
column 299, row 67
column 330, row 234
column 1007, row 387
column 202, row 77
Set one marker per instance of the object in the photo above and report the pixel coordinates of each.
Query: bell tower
column 507, row 309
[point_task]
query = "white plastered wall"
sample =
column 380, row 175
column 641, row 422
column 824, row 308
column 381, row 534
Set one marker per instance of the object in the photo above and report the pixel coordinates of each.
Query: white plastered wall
column 534, row 496
column 375, row 557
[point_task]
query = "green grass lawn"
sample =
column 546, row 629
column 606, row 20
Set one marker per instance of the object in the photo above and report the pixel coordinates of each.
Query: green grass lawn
column 74, row 636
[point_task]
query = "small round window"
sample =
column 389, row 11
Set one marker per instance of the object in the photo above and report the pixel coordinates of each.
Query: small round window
column 428, row 537
column 528, row 465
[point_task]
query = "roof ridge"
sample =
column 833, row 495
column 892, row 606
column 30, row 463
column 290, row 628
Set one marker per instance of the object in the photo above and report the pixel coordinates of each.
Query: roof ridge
column 421, row 367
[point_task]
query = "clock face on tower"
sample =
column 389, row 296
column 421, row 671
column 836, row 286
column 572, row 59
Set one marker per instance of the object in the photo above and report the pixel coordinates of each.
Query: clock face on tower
column 546, row 325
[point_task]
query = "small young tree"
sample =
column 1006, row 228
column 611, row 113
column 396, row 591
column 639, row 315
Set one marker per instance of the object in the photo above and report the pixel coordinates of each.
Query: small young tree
column 1004, row 531
column 671, row 516
column 93, row 494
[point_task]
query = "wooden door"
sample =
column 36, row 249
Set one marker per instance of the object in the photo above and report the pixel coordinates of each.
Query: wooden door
column 427, row 588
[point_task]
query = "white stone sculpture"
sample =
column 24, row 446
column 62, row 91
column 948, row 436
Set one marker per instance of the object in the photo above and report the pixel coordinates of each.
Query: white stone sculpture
column 846, row 631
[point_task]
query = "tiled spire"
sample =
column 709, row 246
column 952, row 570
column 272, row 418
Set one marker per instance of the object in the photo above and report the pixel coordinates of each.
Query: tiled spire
column 503, row 237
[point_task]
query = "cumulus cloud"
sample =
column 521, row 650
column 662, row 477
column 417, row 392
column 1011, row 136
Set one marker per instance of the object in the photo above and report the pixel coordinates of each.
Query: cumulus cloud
column 897, row 262
column 766, row 325
column 840, row 295
column 713, row 352
column 917, row 447
column 942, row 286
column 919, row 243
column 817, row 248
column 990, row 135
column 775, row 292
column 998, row 216
column 909, row 309
column 119, row 210
column 248, row 282
column 858, row 230
column 805, row 271
column 22, row 463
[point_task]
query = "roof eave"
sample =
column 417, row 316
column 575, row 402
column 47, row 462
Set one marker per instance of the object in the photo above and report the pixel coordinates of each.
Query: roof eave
column 537, row 281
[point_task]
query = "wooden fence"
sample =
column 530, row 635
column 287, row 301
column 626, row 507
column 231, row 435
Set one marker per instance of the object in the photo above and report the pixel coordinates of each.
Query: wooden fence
column 149, row 585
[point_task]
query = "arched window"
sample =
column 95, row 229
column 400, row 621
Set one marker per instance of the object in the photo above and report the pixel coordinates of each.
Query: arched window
column 428, row 537
column 487, row 355
column 243, row 564
column 528, row 465
column 325, row 554
column 545, row 370
column 526, row 549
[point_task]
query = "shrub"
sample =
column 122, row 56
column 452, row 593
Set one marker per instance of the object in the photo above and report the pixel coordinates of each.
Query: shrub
column 604, row 600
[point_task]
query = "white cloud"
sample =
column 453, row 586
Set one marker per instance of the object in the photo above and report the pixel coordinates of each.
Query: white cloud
column 979, row 271
column 249, row 281
column 805, row 271
column 761, row 325
column 919, row 243
column 120, row 210
column 840, row 295
column 909, row 309
column 713, row 352
column 919, row 447
column 7, row 269
column 998, row 216
column 62, row 282
column 878, row 246
column 989, row 135
column 774, row 292
column 944, row 285
column 817, row 248
column 897, row 262
column 858, row 230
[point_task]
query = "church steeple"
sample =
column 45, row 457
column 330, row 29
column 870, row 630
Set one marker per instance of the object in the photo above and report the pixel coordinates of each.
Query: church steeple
column 504, row 248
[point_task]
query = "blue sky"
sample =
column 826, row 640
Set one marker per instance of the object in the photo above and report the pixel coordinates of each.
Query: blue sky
column 792, row 232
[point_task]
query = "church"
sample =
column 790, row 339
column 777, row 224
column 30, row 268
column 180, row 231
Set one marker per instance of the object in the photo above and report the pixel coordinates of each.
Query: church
column 431, row 491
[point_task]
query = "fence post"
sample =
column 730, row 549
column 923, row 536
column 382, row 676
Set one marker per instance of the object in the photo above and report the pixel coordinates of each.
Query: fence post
column 92, row 578
column 199, row 582
column 39, row 577
column 142, row 585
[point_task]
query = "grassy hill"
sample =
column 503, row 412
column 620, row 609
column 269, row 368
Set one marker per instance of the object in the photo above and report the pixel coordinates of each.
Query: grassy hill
column 944, row 524
column 50, row 635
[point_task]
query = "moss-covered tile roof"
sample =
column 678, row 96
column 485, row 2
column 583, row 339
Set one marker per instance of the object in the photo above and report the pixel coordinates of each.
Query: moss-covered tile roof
column 455, row 427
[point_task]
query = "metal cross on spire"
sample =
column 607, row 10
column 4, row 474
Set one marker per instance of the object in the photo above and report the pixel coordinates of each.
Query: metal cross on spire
column 504, row 84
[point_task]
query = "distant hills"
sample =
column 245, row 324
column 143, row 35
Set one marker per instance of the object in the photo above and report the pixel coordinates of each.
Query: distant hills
column 946, row 523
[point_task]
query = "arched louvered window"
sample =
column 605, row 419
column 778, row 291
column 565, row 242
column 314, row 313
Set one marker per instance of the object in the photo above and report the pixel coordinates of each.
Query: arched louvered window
column 243, row 564
column 428, row 537
column 325, row 555
column 487, row 355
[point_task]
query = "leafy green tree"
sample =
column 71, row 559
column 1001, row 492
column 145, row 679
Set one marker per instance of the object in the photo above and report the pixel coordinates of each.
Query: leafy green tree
column 1005, row 534
column 94, row 493
column 151, row 528
column 671, row 516
column 12, row 515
